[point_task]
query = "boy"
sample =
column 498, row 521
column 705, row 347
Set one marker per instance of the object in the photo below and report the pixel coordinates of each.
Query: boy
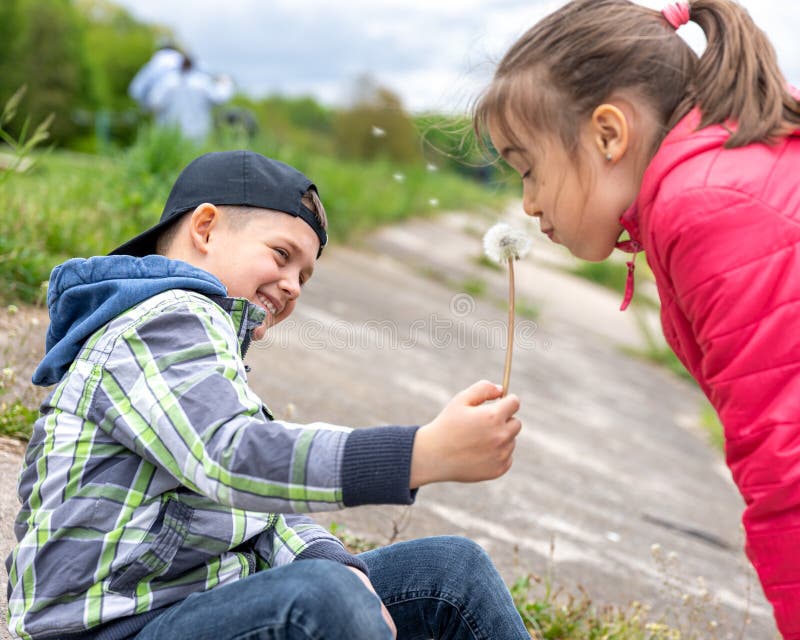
column 156, row 487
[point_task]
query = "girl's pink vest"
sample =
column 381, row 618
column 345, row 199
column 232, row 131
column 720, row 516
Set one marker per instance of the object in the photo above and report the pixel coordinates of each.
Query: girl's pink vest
column 721, row 230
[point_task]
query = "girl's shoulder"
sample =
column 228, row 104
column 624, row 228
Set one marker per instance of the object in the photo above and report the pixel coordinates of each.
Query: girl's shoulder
column 698, row 161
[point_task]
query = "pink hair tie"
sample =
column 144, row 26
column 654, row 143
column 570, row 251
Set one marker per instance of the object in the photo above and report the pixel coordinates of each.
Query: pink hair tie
column 677, row 14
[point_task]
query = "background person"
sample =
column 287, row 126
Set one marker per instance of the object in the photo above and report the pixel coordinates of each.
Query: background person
column 185, row 98
column 168, row 58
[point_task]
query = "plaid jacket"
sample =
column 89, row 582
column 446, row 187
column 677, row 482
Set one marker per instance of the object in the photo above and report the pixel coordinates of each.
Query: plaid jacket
column 155, row 472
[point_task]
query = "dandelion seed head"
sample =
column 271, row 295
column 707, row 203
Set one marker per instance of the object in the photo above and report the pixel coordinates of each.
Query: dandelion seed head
column 502, row 242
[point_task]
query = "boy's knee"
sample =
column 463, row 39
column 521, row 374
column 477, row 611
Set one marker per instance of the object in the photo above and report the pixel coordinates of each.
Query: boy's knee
column 466, row 554
column 325, row 582
column 330, row 596
column 453, row 551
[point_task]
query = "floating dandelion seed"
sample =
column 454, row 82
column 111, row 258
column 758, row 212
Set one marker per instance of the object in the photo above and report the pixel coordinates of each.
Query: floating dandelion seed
column 398, row 177
column 431, row 167
column 378, row 132
column 504, row 244
column 434, row 202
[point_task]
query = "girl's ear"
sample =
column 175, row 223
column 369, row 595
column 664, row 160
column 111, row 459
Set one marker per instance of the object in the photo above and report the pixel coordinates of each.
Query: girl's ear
column 203, row 221
column 609, row 130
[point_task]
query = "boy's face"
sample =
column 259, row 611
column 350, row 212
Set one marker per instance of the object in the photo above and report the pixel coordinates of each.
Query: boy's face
column 265, row 258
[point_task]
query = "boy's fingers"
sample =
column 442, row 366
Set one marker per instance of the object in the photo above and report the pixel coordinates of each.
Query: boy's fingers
column 510, row 403
column 480, row 392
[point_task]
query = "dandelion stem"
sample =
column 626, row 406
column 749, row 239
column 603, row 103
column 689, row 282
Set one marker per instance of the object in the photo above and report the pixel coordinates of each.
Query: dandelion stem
column 510, row 348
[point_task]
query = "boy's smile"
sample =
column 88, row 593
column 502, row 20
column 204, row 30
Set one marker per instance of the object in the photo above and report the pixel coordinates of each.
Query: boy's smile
column 261, row 255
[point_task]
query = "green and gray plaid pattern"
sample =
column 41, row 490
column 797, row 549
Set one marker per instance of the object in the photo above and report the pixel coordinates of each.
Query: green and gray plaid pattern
column 155, row 472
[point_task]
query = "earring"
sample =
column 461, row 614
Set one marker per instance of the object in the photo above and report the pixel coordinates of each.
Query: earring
column 608, row 156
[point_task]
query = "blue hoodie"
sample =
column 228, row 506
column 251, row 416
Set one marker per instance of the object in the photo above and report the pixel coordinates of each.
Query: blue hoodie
column 85, row 294
column 154, row 471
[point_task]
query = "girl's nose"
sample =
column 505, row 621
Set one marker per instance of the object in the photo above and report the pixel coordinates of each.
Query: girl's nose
column 529, row 205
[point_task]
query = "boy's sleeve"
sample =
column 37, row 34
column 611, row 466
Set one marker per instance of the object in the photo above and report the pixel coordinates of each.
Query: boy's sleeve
column 174, row 391
column 734, row 266
column 297, row 537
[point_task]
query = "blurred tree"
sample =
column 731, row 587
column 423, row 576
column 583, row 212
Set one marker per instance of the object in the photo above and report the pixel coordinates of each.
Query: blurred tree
column 77, row 58
column 449, row 140
column 119, row 46
column 9, row 28
column 46, row 53
column 376, row 125
column 300, row 122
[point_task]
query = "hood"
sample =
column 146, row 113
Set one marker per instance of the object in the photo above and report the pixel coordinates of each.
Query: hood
column 683, row 142
column 85, row 294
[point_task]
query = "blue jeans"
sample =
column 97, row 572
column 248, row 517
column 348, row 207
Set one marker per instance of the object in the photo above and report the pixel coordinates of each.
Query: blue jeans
column 442, row 588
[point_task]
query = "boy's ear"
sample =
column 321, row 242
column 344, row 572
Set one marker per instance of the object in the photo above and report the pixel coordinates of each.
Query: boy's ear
column 203, row 221
column 609, row 130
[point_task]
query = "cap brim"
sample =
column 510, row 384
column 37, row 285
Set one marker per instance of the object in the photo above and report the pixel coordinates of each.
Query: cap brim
column 145, row 243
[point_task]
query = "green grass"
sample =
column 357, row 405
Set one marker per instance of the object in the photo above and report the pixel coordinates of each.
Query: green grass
column 709, row 420
column 609, row 273
column 16, row 420
column 551, row 613
column 80, row 205
column 485, row 261
column 526, row 309
column 655, row 351
column 556, row 615
column 473, row 286
column 613, row 275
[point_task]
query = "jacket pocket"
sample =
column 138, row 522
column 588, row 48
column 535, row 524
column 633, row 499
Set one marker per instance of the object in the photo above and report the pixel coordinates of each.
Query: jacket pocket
column 153, row 558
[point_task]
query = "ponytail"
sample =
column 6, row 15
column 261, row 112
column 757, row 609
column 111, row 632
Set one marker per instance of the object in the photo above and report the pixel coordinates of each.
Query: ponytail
column 737, row 78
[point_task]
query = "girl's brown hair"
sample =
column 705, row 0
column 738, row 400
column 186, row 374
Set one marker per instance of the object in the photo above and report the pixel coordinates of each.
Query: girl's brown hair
column 555, row 75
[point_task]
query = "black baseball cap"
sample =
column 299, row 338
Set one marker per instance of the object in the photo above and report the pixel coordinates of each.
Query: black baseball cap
column 238, row 178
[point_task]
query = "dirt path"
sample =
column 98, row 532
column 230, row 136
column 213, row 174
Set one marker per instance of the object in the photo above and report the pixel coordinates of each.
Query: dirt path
column 610, row 462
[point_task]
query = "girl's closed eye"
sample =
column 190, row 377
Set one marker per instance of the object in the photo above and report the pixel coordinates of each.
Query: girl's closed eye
column 283, row 253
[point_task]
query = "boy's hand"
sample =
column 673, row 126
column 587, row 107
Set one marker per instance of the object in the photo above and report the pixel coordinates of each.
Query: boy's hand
column 469, row 440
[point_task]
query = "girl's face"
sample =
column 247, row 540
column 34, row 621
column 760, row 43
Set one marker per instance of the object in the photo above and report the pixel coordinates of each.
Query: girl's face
column 578, row 205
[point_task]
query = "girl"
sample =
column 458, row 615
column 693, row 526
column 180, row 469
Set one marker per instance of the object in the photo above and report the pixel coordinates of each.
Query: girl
column 615, row 124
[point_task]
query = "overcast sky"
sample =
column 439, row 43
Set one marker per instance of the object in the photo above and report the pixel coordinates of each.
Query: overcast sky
column 436, row 54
